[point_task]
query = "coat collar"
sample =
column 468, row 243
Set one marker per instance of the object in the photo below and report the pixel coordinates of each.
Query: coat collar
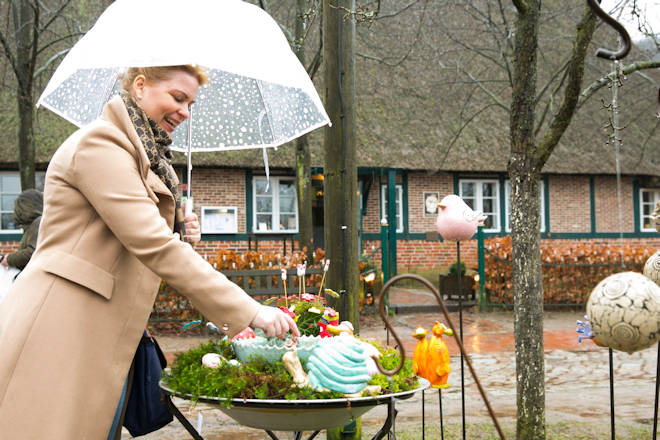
column 115, row 112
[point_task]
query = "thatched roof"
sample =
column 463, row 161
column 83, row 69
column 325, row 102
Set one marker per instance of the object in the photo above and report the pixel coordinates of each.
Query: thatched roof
column 415, row 99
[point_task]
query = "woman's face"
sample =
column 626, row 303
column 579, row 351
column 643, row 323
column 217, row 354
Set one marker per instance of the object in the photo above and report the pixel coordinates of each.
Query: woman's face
column 168, row 101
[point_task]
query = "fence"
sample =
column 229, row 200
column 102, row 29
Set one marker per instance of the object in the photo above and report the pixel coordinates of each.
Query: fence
column 565, row 284
column 258, row 283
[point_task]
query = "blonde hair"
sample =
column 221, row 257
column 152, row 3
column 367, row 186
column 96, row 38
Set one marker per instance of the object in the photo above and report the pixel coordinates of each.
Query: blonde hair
column 160, row 73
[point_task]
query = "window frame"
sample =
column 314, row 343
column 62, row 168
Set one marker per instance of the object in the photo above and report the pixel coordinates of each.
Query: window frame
column 398, row 196
column 656, row 198
column 507, row 205
column 275, row 213
column 40, row 177
column 479, row 200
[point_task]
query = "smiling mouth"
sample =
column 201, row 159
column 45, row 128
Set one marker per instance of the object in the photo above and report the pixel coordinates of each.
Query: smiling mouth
column 171, row 123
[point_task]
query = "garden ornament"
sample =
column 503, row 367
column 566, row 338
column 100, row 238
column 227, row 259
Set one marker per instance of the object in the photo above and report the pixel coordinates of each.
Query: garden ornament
column 419, row 355
column 431, row 358
column 341, row 364
column 294, row 367
column 652, row 268
column 215, row 360
column 623, row 312
column 456, row 220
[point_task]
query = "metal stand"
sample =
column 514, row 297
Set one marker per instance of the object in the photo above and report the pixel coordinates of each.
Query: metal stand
column 459, row 274
column 442, row 426
column 613, row 431
column 423, row 422
column 386, row 429
column 655, row 408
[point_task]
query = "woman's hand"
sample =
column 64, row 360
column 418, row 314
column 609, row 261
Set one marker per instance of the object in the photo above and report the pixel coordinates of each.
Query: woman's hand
column 193, row 232
column 275, row 322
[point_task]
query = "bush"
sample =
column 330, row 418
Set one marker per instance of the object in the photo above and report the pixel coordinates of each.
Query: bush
column 570, row 270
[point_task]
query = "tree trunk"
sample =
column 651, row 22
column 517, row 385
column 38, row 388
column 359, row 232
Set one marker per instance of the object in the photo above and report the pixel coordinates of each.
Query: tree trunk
column 525, row 221
column 24, row 28
column 528, row 301
column 340, row 170
column 303, row 157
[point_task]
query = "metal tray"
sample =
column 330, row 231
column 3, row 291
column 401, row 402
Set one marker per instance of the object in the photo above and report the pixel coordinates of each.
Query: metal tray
column 298, row 415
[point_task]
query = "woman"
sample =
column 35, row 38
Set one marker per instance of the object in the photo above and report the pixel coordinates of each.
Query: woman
column 70, row 325
column 27, row 214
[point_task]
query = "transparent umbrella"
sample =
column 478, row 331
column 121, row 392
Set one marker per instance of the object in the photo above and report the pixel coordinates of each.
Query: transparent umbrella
column 258, row 95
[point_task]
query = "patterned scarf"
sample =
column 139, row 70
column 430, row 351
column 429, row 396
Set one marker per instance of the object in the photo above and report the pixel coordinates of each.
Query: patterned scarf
column 156, row 144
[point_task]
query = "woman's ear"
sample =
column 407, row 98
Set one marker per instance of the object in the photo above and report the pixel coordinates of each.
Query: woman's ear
column 138, row 86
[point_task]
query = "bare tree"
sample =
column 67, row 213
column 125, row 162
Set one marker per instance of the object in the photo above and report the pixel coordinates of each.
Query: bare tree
column 36, row 35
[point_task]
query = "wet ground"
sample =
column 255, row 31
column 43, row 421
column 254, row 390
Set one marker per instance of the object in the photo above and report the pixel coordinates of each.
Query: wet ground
column 577, row 377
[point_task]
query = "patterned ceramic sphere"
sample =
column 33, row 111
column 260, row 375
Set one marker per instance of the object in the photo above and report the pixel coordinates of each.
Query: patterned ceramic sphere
column 652, row 268
column 624, row 312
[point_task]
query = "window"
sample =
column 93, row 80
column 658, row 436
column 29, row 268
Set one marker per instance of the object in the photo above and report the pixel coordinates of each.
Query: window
column 275, row 206
column 10, row 188
column 484, row 196
column 219, row 220
column 398, row 195
column 507, row 201
column 648, row 199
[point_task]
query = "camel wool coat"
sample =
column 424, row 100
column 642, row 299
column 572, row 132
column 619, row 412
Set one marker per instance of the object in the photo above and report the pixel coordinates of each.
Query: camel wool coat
column 71, row 323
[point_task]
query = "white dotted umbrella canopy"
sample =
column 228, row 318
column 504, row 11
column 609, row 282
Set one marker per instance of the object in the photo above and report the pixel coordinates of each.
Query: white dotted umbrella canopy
column 258, row 94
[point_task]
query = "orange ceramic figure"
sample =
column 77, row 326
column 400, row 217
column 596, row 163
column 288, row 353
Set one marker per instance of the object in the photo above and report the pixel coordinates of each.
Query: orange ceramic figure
column 431, row 358
column 419, row 356
column 438, row 356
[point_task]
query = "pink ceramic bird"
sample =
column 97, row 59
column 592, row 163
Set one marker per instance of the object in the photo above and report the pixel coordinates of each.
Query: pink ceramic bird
column 456, row 220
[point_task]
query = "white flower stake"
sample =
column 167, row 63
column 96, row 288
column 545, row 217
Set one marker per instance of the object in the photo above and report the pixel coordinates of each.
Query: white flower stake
column 304, row 270
column 325, row 271
column 286, row 298
column 299, row 272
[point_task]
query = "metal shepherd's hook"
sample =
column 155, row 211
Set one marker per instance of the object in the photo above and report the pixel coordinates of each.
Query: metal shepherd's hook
column 625, row 38
column 383, row 315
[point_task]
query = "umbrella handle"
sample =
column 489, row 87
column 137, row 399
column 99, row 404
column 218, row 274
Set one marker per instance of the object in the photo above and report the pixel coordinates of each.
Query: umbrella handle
column 189, row 206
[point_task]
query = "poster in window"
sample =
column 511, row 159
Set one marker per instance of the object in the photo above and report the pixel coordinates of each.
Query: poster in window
column 431, row 200
column 219, row 220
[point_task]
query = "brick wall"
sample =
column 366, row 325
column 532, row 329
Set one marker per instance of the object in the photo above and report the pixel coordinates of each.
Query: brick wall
column 426, row 254
column 607, row 203
column 569, row 204
column 220, row 188
column 418, row 184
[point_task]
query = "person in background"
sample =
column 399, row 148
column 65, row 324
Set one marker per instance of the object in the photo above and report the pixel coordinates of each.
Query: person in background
column 70, row 324
column 27, row 214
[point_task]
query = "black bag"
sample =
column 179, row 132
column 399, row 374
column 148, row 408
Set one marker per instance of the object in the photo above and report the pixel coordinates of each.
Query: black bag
column 145, row 410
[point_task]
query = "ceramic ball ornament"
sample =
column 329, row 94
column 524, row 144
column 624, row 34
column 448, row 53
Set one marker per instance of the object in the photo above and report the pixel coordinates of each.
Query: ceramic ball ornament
column 624, row 312
column 652, row 267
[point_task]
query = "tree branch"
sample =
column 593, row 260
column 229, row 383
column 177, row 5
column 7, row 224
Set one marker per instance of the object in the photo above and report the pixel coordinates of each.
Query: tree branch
column 394, row 14
column 50, row 61
column 8, row 54
column 55, row 15
column 601, row 82
column 559, row 123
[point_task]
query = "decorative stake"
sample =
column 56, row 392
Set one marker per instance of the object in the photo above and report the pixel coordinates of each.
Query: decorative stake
column 304, row 269
column 286, row 299
column 299, row 272
column 325, row 271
